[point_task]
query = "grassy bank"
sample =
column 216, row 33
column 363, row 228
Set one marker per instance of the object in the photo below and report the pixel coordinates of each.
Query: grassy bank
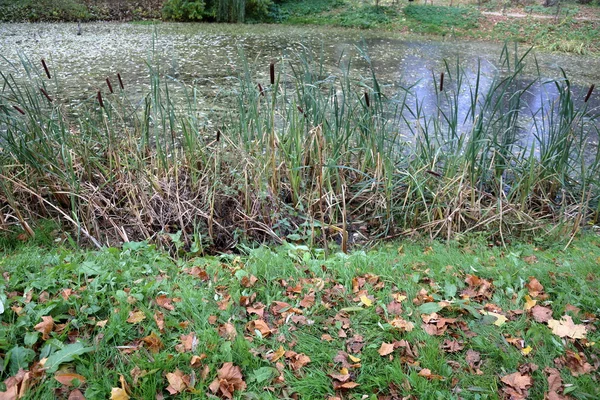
column 299, row 154
column 418, row 320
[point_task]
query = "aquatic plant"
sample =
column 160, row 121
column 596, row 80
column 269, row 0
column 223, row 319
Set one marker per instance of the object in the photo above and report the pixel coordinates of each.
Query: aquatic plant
column 308, row 156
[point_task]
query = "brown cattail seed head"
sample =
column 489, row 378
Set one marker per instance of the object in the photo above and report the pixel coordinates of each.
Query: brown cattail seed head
column 100, row 101
column 367, row 100
column 442, row 82
column 46, row 94
column 19, row 109
column 589, row 93
column 109, row 85
column 120, row 81
column 46, row 69
column 272, row 73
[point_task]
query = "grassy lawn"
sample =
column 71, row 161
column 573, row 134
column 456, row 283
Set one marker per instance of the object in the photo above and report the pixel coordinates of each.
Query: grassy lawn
column 411, row 320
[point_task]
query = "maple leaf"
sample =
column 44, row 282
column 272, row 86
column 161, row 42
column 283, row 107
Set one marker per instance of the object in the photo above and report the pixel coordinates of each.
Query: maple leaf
column 296, row 360
column 16, row 386
column 385, row 349
column 177, row 382
column 165, row 302
column 541, row 314
column 45, row 327
column 276, row 355
column 196, row 361
column 248, row 282
column 344, row 386
column 136, row 317
column 554, row 379
column 567, row 328
column 517, row 385
column 188, row 343
column 229, row 379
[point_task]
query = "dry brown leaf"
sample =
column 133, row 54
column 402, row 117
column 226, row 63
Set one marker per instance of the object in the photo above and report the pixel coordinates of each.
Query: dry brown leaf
column 576, row 362
column 259, row 325
column 45, row 327
column 165, row 302
column 567, row 328
column 153, row 342
column 76, row 395
column 67, row 378
column 196, row 361
column 385, row 349
column 227, row 331
column 452, row 346
column 541, row 314
column 534, row 286
column 136, row 317
column 229, row 379
column 402, row 324
column 345, row 385
column 426, row 373
column 159, row 318
column 308, row 301
column 177, row 382
column 518, row 384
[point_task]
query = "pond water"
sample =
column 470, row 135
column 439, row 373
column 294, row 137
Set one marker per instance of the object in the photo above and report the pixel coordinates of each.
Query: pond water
column 207, row 54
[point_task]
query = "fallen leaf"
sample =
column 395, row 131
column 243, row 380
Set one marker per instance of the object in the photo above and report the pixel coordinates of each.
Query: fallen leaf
column 45, row 327
column 276, row 355
column 196, row 361
column 534, row 286
column 452, row 346
column 541, row 314
column 529, row 302
column 227, row 331
column 259, row 325
column 165, row 302
column 366, row 301
column 500, row 319
column 308, row 300
column 426, row 373
column 67, row 378
column 517, row 385
column 153, row 342
column 76, row 395
column 526, row 350
column 385, row 349
column 229, row 379
column 118, row 394
column 159, row 318
column 576, row 363
column 403, row 325
column 176, row 381
column 567, row 328
column 136, row 317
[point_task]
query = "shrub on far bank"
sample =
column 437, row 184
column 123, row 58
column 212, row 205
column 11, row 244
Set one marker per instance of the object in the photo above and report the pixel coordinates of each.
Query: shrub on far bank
column 43, row 10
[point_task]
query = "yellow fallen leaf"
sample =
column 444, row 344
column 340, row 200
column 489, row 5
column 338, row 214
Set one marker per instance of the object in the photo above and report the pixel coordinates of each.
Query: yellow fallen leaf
column 567, row 328
column 353, row 359
column 500, row 319
column 366, row 301
column 278, row 354
column 399, row 297
column 136, row 317
column 118, row 394
column 526, row 350
column 529, row 302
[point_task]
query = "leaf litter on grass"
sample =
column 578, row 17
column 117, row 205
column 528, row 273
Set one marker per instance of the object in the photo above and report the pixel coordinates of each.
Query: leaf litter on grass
column 336, row 326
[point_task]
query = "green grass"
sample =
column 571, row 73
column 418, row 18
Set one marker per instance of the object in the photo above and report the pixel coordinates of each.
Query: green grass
column 438, row 19
column 109, row 284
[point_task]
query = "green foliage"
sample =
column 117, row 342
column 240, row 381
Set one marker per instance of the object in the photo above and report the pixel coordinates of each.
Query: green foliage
column 366, row 17
column 91, row 296
column 437, row 19
column 184, row 10
column 43, row 10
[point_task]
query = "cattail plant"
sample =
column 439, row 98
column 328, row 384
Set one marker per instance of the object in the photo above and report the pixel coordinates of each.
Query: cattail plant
column 99, row 97
column 442, row 82
column 120, row 81
column 46, row 69
column 272, row 73
column 110, row 89
column 19, row 109
column 46, row 95
column 589, row 93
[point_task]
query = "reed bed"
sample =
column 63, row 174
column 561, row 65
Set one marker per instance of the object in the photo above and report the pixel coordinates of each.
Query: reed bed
column 301, row 155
